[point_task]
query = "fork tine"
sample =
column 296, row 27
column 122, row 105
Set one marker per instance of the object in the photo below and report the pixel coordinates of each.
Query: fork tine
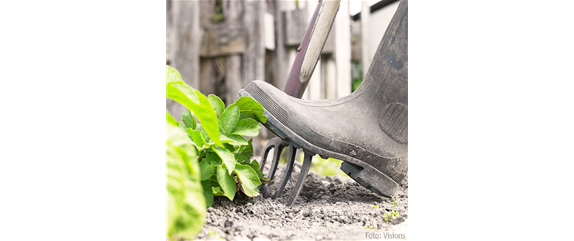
column 277, row 155
column 302, row 175
column 288, row 170
column 265, row 152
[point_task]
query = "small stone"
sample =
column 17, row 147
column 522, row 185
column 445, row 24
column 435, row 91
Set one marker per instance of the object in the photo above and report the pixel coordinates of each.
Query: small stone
column 325, row 197
column 398, row 220
column 228, row 224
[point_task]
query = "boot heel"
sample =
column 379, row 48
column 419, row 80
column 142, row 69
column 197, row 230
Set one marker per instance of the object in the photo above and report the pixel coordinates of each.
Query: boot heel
column 372, row 179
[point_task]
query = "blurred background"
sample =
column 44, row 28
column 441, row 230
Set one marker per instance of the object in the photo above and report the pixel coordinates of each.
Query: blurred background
column 219, row 46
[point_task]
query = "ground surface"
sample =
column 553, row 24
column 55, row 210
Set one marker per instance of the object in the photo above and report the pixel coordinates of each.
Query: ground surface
column 328, row 208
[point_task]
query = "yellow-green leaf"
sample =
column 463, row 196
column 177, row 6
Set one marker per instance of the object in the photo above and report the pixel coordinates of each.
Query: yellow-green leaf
column 226, row 156
column 247, row 127
column 195, row 101
column 226, row 182
column 228, row 119
column 217, row 104
column 249, row 179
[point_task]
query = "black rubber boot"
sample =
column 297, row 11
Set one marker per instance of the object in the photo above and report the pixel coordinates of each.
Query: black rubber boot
column 368, row 129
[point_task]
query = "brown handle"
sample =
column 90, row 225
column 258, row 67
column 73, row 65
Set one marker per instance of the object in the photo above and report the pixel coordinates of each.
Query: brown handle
column 309, row 52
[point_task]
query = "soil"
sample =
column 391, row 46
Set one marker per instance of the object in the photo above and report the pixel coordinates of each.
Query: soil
column 327, row 208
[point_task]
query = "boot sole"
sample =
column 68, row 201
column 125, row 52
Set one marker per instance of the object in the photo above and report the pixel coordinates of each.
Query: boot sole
column 363, row 173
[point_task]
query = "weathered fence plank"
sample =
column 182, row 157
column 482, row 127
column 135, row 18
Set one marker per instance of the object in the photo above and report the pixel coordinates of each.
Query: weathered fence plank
column 365, row 57
column 184, row 46
column 329, row 74
column 281, row 63
column 223, row 39
column 254, row 55
column 232, row 10
column 295, row 26
column 342, row 50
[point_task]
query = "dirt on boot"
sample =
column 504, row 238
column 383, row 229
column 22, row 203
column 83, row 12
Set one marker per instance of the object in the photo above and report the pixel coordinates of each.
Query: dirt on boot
column 327, row 208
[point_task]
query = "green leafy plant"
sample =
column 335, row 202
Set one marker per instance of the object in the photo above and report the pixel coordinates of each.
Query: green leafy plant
column 373, row 206
column 387, row 216
column 207, row 158
column 228, row 168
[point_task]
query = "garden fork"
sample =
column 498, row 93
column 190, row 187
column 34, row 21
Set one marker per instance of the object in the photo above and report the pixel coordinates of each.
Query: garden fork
column 308, row 54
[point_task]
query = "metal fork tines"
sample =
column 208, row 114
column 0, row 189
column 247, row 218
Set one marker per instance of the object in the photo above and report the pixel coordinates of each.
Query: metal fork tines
column 279, row 145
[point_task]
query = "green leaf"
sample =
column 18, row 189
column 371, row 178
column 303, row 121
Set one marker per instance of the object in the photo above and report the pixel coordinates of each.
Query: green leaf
column 229, row 147
column 249, row 179
column 188, row 119
column 224, row 139
column 213, row 158
column 241, row 158
column 182, row 126
column 208, row 140
column 213, row 180
column 176, row 176
column 226, row 182
column 259, row 174
column 247, row 127
column 171, row 120
column 226, row 156
column 237, row 140
column 192, row 217
column 182, row 145
column 217, row 104
column 178, row 88
column 197, row 137
column 172, row 75
column 245, row 152
column 195, row 101
column 228, row 120
column 217, row 191
column 249, row 108
column 207, row 193
column 185, row 200
column 255, row 165
column 206, row 170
